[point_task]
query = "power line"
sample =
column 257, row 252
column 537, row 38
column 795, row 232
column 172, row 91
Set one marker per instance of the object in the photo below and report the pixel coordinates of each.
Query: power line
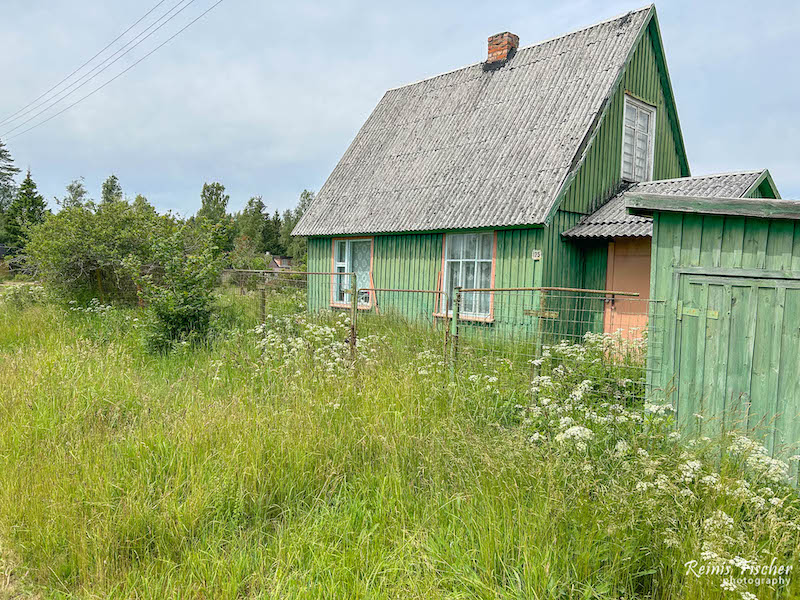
column 114, row 41
column 94, row 72
column 118, row 75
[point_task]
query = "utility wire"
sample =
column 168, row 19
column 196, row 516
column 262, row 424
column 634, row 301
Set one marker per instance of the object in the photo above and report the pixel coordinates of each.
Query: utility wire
column 118, row 75
column 114, row 41
column 87, row 77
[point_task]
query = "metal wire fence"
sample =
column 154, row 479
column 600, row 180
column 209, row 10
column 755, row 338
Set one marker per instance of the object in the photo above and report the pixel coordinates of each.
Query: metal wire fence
column 609, row 337
column 604, row 336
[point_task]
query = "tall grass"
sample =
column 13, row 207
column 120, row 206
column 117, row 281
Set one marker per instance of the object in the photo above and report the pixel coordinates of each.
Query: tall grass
column 266, row 465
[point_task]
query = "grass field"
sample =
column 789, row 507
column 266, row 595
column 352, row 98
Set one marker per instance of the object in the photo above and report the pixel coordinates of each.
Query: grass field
column 267, row 465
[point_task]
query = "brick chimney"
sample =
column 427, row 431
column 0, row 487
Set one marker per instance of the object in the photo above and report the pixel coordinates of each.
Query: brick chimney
column 502, row 46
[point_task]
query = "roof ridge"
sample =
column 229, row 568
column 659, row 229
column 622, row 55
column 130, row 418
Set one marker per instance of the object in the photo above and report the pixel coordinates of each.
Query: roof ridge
column 528, row 47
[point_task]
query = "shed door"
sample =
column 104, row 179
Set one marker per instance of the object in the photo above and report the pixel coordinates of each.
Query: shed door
column 738, row 355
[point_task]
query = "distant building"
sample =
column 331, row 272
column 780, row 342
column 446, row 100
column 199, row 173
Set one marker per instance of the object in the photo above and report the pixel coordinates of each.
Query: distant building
column 280, row 263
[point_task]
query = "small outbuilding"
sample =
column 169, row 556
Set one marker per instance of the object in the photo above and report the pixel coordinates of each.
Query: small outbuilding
column 727, row 272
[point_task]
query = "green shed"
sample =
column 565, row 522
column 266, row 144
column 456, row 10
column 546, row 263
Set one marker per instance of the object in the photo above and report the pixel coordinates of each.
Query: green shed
column 728, row 274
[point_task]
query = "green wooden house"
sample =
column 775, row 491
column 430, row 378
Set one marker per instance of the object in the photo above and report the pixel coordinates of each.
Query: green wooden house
column 488, row 176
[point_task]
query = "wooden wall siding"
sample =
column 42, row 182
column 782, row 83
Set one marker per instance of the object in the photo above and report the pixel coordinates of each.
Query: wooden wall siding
column 570, row 265
column 600, row 173
column 751, row 342
column 414, row 261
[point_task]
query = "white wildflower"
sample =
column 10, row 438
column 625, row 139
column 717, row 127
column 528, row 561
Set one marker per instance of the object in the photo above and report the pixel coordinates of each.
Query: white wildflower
column 621, row 449
column 689, row 470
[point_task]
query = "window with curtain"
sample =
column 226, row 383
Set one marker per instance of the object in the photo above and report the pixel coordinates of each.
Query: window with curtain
column 638, row 131
column 351, row 256
column 468, row 264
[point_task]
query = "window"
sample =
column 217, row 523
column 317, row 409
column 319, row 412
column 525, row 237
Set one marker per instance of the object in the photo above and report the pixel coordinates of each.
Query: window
column 351, row 256
column 468, row 264
column 638, row 131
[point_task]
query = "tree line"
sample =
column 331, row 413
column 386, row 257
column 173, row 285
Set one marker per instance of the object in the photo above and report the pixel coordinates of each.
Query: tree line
column 247, row 238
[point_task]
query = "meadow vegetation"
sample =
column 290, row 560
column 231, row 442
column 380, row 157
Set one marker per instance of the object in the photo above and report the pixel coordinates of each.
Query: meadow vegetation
column 265, row 463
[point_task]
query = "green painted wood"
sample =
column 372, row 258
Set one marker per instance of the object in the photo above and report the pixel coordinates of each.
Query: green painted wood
column 599, row 173
column 414, row 262
column 743, row 318
column 763, row 187
column 714, row 365
column 764, row 375
column 739, row 369
column 687, row 335
column 787, row 408
column 766, row 208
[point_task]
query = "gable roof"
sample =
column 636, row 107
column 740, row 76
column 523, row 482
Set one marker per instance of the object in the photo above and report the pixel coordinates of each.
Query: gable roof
column 612, row 220
column 479, row 146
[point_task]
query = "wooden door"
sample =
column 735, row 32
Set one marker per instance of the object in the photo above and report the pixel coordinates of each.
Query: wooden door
column 628, row 270
column 737, row 353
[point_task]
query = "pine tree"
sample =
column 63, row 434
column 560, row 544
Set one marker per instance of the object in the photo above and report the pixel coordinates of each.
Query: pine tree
column 295, row 246
column 28, row 208
column 7, row 169
column 7, row 188
column 272, row 232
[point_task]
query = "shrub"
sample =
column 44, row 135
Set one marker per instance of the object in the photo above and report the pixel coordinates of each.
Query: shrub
column 79, row 253
column 177, row 288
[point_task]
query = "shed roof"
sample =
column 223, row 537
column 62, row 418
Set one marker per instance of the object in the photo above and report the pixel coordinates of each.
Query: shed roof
column 479, row 146
column 613, row 220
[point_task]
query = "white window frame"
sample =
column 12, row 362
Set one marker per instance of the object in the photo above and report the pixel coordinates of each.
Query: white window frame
column 338, row 296
column 651, row 135
column 470, row 305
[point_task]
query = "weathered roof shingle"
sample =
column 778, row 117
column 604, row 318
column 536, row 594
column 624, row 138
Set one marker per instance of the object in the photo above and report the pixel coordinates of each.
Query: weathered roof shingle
column 612, row 220
column 477, row 147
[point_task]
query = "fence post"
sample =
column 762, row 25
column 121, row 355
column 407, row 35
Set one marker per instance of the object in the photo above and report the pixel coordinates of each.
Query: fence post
column 538, row 333
column 353, row 313
column 264, row 303
column 454, row 331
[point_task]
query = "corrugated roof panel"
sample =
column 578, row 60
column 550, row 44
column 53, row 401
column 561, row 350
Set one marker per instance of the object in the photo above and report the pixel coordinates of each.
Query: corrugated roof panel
column 475, row 147
column 613, row 220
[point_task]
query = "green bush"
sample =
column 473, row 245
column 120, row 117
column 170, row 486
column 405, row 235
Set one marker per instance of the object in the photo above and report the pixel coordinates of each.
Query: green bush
column 79, row 253
column 177, row 289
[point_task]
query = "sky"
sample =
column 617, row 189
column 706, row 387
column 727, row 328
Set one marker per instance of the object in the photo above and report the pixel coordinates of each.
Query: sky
column 265, row 97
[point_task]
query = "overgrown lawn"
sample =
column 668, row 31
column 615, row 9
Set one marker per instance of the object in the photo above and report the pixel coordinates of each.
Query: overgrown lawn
column 267, row 465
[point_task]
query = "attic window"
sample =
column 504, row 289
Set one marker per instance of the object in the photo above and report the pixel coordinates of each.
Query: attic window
column 638, row 131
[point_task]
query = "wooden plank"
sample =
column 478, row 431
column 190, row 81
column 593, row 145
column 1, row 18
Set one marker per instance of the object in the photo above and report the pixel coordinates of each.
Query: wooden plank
column 740, row 273
column 779, row 248
column 720, row 367
column 756, row 235
column 688, row 392
column 691, row 240
column 711, row 393
column 732, row 243
column 740, row 348
column 764, row 208
column 763, row 382
column 787, row 408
